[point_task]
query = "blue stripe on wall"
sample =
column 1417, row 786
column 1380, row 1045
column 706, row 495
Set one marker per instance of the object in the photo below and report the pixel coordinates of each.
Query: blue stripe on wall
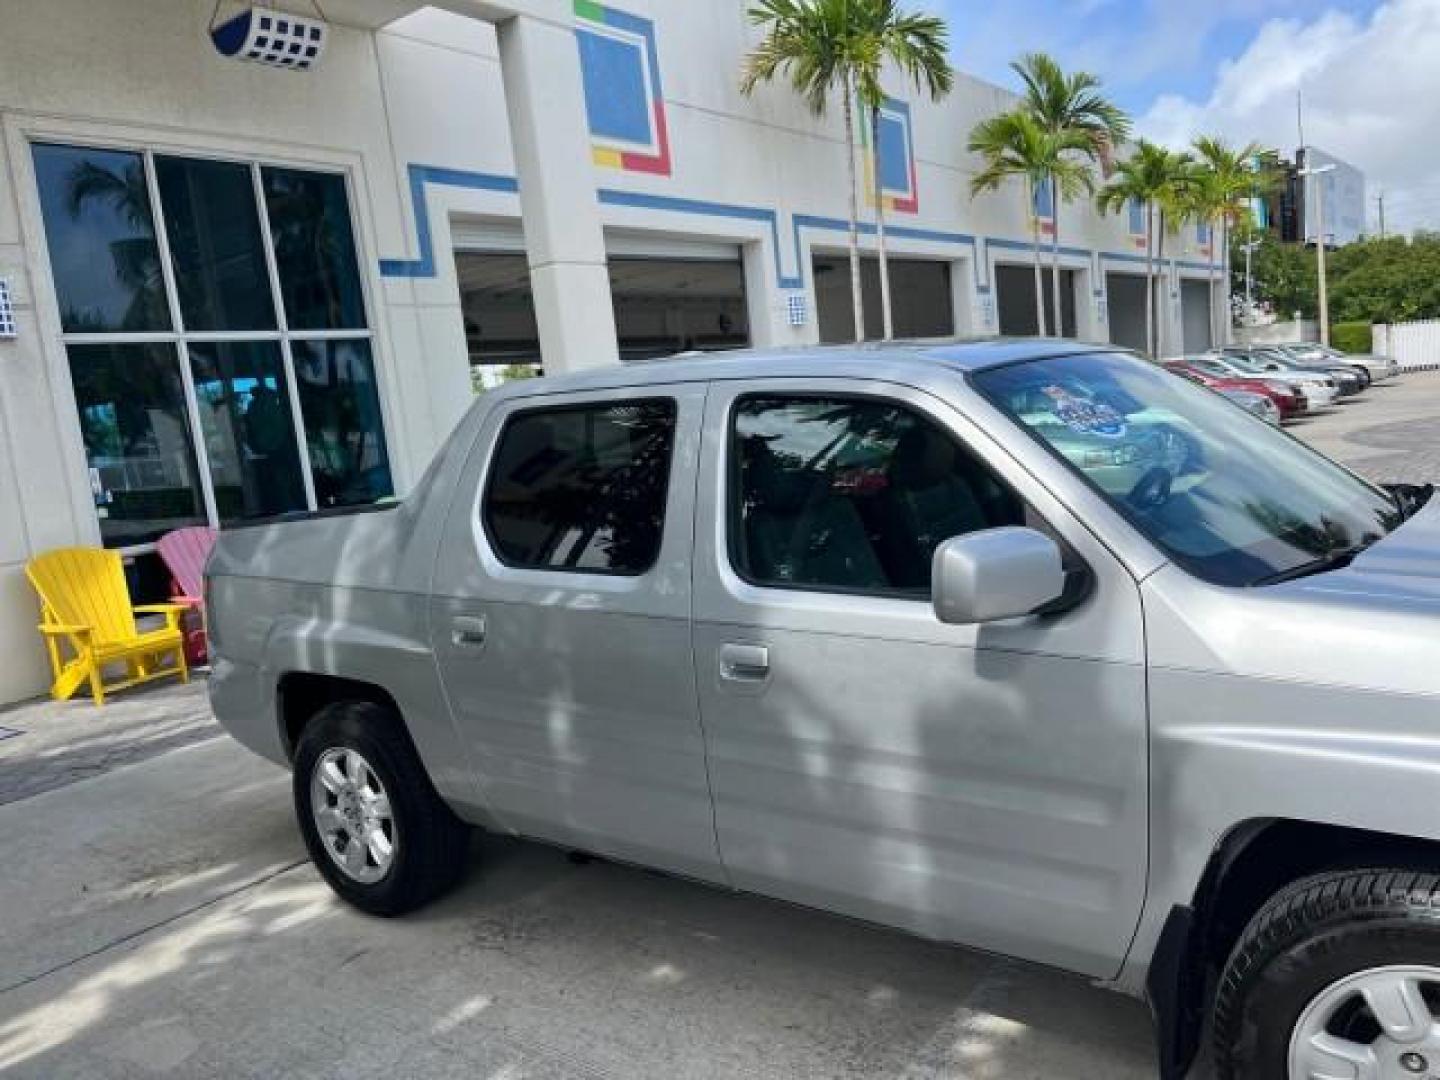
column 424, row 265
column 420, row 175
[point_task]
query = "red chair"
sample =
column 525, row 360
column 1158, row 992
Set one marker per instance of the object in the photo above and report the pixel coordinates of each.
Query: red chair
column 184, row 552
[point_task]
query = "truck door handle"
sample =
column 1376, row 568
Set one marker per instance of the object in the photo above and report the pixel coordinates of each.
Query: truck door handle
column 468, row 631
column 744, row 663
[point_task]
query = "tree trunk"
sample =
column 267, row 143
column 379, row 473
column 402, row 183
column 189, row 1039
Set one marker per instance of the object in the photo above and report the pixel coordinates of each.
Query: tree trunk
column 1162, row 301
column 1150, row 281
column 1222, row 317
column 1039, row 277
column 857, row 298
column 1215, row 301
column 885, row 313
column 1058, row 307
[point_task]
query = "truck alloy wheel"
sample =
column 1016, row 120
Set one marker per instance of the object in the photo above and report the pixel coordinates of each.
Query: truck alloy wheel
column 352, row 814
column 377, row 830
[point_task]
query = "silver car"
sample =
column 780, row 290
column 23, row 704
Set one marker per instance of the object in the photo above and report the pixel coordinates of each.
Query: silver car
column 885, row 631
column 1258, row 404
column 1379, row 367
column 1319, row 387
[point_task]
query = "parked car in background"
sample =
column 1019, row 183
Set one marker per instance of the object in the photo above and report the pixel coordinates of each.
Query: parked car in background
column 1379, row 367
column 1289, row 399
column 1320, row 389
column 1029, row 646
column 1257, row 404
column 1349, row 379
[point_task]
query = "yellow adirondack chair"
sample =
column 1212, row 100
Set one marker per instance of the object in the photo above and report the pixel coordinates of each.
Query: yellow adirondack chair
column 85, row 605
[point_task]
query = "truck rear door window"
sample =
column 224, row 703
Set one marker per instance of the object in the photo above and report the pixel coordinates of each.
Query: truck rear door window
column 582, row 488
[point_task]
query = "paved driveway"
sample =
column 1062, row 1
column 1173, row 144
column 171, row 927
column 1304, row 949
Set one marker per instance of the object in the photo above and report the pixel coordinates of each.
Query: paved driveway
column 162, row 922
column 157, row 919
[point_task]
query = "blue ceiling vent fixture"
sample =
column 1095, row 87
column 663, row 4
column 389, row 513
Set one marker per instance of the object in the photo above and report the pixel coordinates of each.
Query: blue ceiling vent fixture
column 269, row 36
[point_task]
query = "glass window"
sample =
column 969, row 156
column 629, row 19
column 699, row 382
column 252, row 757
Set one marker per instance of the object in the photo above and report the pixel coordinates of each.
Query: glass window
column 314, row 249
column 101, row 236
column 153, row 447
column 248, row 428
column 213, row 227
column 132, row 418
column 344, row 433
column 582, row 488
column 1225, row 495
column 852, row 494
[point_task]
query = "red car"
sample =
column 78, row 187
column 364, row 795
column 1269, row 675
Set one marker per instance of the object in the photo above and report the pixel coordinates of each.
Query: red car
column 1290, row 401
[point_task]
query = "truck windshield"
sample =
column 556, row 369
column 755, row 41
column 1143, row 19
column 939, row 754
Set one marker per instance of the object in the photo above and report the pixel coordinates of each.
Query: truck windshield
column 1222, row 493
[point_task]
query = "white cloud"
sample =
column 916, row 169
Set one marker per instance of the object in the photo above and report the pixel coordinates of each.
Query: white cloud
column 1372, row 97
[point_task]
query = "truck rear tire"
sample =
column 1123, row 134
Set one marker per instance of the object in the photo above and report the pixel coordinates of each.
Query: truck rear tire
column 374, row 825
column 1337, row 975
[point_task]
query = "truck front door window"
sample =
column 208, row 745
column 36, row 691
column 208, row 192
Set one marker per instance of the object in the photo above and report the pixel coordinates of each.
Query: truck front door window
column 852, row 494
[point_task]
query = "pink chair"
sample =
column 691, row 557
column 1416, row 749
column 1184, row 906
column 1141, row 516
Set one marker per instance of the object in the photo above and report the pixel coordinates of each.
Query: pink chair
column 184, row 552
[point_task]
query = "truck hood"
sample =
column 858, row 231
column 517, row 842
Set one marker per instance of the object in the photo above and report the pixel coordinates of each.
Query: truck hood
column 1374, row 624
column 1401, row 569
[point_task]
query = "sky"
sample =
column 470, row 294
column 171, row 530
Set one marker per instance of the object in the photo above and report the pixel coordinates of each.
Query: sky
column 1369, row 72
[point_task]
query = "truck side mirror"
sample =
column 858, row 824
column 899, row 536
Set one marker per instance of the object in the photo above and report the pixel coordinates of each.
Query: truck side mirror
column 995, row 574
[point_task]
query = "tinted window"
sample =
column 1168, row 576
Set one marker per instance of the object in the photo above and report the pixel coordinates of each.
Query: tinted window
column 137, row 440
column 582, row 488
column 248, row 427
column 314, row 249
column 214, row 233
column 344, row 433
column 101, row 235
column 852, row 494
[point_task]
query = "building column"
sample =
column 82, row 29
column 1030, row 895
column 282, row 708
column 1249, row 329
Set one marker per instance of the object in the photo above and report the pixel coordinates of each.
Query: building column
column 564, row 243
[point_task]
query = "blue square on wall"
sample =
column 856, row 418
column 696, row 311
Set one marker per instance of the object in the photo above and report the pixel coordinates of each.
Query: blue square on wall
column 616, row 96
column 1044, row 203
column 1137, row 217
column 894, row 155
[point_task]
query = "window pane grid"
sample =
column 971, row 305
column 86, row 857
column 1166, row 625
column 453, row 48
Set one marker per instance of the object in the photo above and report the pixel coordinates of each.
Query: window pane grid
column 333, row 277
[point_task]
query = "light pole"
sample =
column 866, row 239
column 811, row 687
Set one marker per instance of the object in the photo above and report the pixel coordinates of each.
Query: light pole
column 1306, row 173
column 1249, row 248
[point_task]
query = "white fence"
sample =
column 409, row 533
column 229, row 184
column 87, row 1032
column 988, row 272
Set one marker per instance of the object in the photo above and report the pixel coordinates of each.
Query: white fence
column 1414, row 345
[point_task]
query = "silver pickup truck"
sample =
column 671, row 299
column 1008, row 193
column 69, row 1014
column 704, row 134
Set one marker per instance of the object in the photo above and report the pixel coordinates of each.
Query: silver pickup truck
column 1033, row 647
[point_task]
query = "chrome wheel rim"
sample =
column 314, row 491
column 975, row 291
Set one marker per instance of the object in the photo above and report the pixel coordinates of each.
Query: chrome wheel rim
column 1377, row 1024
column 352, row 815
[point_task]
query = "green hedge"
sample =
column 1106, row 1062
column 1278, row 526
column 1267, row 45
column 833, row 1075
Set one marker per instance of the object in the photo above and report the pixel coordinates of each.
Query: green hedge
column 1351, row 337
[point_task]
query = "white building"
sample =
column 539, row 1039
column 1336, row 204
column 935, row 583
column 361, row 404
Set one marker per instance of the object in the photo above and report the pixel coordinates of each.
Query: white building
column 240, row 290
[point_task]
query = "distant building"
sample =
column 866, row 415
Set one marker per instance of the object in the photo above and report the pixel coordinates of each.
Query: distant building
column 1291, row 210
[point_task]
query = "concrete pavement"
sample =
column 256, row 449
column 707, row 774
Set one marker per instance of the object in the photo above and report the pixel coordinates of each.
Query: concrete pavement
column 158, row 921
column 59, row 742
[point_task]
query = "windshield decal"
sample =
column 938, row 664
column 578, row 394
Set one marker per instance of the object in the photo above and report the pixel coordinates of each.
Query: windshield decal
column 1086, row 417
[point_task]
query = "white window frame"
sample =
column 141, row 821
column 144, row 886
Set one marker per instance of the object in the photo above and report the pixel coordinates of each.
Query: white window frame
column 181, row 338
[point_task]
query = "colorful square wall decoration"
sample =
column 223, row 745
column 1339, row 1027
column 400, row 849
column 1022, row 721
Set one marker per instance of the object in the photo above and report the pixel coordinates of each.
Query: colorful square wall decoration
column 894, row 156
column 1044, row 208
column 1135, row 210
column 620, row 71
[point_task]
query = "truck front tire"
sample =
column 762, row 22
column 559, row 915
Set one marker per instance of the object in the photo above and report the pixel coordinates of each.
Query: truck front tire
column 1337, row 975
column 373, row 823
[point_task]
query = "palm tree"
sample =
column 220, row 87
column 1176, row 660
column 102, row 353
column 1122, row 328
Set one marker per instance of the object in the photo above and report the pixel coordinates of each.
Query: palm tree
column 813, row 44
column 1226, row 180
column 135, row 257
column 916, row 45
column 1016, row 145
column 1156, row 178
column 1070, row 104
